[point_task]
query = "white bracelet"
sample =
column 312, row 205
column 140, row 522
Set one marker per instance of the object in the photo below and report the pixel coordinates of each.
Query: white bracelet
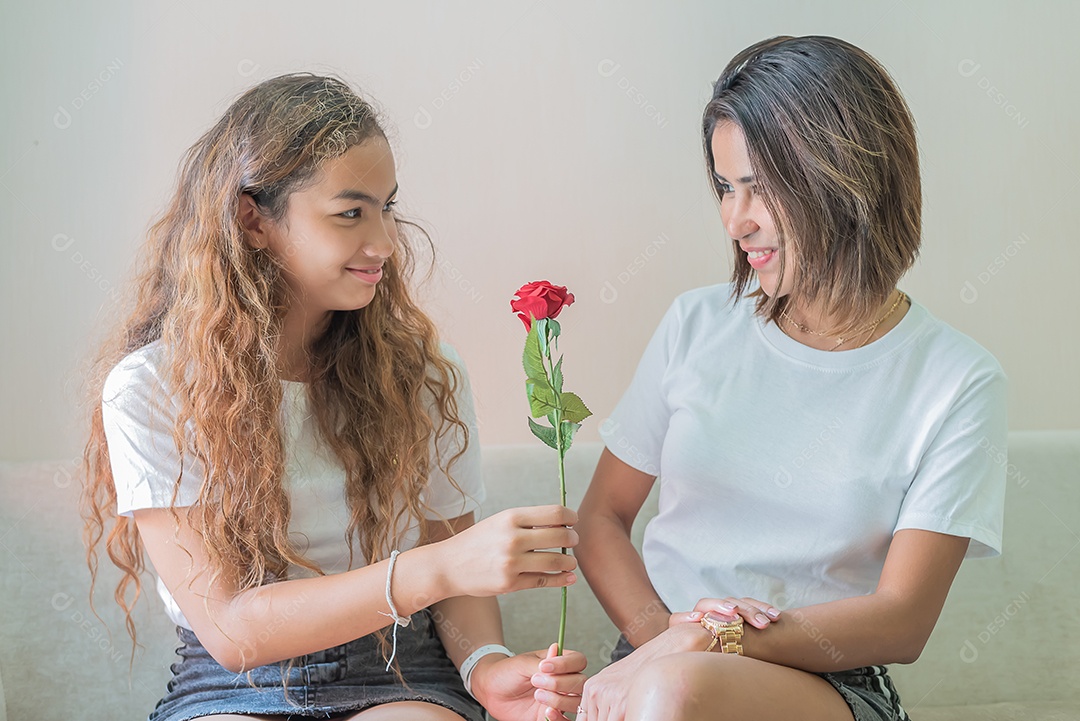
column 474, row 658
column 398, row 620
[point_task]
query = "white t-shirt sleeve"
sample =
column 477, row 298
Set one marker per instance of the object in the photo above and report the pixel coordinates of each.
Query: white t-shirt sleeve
column 636, row 429
column 959, row 487
column 442, row 499
column 137, row 417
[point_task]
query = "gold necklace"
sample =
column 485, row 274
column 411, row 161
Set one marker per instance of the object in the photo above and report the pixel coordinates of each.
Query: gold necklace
column 871, row 327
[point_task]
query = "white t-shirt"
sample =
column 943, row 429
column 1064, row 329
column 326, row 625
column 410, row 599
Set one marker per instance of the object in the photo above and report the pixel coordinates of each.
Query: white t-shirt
column 138, row 415
column 785, row 470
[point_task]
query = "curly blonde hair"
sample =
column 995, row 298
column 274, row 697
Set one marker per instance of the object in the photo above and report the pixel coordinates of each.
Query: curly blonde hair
column 381, row 391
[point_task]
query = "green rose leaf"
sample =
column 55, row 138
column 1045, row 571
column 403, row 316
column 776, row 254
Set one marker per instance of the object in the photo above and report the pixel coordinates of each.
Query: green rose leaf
column 541, row 328
column 556, row 377
column 533, row 358
column 542, row 399
column 568, row 431
column 547, row 435
column 574, row 409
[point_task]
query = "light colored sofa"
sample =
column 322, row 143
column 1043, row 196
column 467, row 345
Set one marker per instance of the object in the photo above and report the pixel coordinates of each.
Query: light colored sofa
column 1007, row 645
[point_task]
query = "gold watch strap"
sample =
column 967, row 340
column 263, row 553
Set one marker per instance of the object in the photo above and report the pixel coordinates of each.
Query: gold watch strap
column 727, row 634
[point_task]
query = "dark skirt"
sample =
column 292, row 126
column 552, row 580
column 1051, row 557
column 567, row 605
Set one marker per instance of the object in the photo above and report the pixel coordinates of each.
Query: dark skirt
column 347, row 678
column 868, row 691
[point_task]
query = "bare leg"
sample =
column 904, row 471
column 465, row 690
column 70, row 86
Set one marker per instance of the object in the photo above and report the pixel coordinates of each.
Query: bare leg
column 406, row 711
column 400, row 711
column 720, row 687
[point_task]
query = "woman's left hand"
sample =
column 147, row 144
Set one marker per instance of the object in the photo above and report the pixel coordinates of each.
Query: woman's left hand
column 605, row 694
column 512, row 689
column 756, row 613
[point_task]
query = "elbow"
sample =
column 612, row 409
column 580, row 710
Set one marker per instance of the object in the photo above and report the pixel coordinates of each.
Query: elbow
column 908, row 649
column 233, row 656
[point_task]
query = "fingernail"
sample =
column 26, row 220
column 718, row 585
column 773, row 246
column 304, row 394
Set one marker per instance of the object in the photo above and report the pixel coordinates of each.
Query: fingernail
column 695, row 616
column 761, row 618
column 772, row 613
column 547, row 667
column 727, row 606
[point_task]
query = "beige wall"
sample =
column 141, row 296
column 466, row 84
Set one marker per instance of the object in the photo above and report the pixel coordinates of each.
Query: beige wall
column 545, row 139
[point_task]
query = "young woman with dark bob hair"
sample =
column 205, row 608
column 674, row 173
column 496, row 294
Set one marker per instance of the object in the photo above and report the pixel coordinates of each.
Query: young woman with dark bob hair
column 815, row 430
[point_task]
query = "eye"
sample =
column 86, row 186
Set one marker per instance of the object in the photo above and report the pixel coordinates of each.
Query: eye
column 351, row 214
column 724, row 188
column 389, row 206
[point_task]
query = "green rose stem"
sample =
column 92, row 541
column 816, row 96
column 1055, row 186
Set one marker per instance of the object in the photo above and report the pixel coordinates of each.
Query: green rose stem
column 564, row 410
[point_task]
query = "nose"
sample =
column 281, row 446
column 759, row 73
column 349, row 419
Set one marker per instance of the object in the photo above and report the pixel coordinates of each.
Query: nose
column 383, row 239
column 738, row 215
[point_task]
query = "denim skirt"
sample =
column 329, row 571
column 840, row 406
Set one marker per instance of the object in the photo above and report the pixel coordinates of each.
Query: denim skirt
column 868, row 691
column 347, row 678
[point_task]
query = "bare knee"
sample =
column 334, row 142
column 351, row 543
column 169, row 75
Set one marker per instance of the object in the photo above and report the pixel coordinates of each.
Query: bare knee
column 677, row 687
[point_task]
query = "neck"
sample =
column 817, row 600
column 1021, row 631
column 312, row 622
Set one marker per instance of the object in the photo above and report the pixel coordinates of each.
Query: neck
column 299, row 328
column 814, row 324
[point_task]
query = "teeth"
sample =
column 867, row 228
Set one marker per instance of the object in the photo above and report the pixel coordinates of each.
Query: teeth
column 758, row 253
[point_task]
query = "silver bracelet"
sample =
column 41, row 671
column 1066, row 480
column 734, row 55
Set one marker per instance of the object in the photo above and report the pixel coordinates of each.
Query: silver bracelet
column 398, row 620
column 474, row 658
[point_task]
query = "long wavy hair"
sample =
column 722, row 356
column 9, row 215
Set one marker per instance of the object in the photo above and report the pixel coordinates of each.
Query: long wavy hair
column 380, row 389
column 833, row 149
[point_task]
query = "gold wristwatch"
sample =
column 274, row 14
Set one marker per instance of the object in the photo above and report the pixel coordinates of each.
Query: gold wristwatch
column 726, row 633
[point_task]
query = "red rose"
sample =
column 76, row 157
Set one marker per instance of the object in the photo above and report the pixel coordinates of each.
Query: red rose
column 541, row 299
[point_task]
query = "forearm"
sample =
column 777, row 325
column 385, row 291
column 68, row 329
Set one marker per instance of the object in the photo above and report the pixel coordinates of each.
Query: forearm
column 850, row 633
column 267, row 624
column 628, row 596
column 465, row 623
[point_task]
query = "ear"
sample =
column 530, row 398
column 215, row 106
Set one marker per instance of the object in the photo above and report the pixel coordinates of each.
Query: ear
column 256, row 225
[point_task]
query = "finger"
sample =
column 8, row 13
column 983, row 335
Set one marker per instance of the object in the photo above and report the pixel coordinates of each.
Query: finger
column 567, row 684
column 559, row 702
column 551, row 714
column 544, row 580
column 685, row 617
column 753, row 613
column 541, row 516
column 546, row 562
column 569, row 662
column 768, row 609
column 749, row 614
column 722, row 605
column 538, row 539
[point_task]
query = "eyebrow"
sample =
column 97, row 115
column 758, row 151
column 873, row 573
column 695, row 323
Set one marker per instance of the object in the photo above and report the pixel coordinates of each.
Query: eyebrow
column 351, row 194
column 722, row 179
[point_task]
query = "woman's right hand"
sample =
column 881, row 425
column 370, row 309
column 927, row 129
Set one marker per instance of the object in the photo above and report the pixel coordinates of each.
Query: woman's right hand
column 508, row 552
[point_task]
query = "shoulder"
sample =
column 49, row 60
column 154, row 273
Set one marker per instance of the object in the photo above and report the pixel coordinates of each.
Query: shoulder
column 711, row 309
column 450, row 353
column 952, row 351
column 137, row 377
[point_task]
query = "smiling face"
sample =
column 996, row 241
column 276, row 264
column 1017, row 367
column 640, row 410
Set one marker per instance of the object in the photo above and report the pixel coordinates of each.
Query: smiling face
column 337, row 232
column 745, row 215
